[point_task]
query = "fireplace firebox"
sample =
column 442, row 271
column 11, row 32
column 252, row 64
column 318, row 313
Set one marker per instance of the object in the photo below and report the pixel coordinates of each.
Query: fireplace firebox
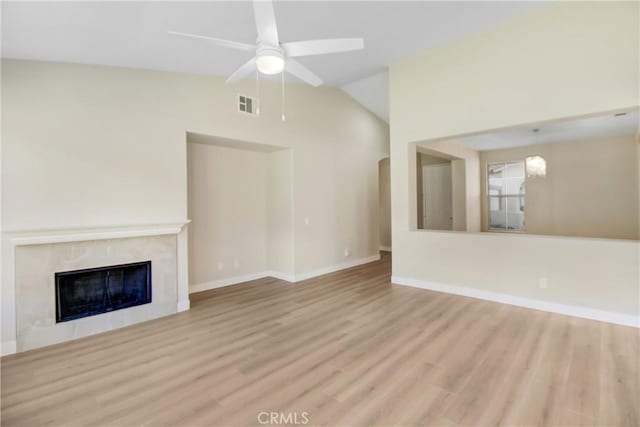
column 82, row 293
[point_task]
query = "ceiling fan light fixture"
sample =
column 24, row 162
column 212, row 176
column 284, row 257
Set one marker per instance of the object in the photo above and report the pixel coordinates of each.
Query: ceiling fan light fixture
column 270, row 62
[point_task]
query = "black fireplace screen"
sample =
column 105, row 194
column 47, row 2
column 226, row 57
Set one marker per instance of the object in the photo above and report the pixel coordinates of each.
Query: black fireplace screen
column 83, row 293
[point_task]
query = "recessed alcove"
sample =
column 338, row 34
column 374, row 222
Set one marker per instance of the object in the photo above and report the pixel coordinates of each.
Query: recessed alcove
column 240, row 201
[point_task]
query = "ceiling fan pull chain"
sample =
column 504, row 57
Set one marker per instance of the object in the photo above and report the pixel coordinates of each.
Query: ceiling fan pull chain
column 283, row 116
column 257, row 93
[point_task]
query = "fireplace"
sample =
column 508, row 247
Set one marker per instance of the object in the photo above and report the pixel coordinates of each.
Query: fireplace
column 82, row 293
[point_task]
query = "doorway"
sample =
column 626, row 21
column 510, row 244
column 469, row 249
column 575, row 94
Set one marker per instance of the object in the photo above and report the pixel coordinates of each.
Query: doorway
column 438, row 192
column 437, row 198
column 384, row 204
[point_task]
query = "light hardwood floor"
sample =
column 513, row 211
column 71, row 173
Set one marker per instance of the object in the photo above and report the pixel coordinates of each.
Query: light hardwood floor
column 346, row 348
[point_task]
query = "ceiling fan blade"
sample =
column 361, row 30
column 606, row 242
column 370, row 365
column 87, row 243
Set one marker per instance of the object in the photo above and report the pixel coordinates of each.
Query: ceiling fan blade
column 319, row 47
column 219, row 42
column 248, row 68
column 266, row 22
column 303, row 73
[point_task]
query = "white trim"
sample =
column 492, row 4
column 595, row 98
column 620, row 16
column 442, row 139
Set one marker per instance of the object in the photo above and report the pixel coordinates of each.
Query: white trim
column 9, row 347
column 182, row 268
column 62, row 235
column 213, row 284
column 569, row 310
column 336, row 267
column 183, row 305
column 289, row 277
column 385, row 248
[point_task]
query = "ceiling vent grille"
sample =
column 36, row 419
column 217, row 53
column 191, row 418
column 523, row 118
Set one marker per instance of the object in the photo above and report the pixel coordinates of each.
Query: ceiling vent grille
column 247, row 104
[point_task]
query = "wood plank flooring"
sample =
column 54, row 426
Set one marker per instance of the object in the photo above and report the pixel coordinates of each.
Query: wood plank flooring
column 346, row 349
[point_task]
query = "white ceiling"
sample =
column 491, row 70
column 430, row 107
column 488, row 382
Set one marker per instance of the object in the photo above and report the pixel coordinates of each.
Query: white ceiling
column 134, row 34
column 372, row 92
column 569, row 130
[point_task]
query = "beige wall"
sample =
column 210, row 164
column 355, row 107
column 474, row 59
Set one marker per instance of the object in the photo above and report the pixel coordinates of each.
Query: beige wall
column 459, row 190
column 590, row 189
column 336, row 204
column 565, row 60
column 228, row 212
column 280, row 232
column 87, row 146
column 384, row 202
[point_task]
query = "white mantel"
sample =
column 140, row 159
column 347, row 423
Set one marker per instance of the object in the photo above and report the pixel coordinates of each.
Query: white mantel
column 13, row 239
column 59, row 235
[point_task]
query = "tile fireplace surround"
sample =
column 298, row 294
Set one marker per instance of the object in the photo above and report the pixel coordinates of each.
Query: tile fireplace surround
column 37, row 257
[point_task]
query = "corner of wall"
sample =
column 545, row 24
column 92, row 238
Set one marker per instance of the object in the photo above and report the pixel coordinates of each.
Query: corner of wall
column 9, row 347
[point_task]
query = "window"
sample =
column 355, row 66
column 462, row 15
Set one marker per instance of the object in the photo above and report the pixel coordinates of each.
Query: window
column 505, row 192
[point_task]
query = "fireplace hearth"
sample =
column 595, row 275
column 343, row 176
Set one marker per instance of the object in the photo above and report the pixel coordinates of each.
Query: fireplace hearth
column 82, row 293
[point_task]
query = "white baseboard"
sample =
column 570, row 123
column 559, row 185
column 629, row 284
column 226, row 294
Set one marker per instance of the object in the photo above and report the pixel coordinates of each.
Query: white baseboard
column 213, row 284
column 184, row 305
column 385, row 248
column 9, row 347
column 336, row 267
column 569, row 310
column 289, row 277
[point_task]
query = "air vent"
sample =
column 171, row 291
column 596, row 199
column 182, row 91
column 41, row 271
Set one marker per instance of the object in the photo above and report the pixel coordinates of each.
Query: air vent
column 247, row 104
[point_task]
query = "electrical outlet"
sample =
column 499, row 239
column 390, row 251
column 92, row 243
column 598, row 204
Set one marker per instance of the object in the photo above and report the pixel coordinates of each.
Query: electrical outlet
column 306, row 221
column 543, row 283
column 347, row 252
column 220, row 266
column 236, row 263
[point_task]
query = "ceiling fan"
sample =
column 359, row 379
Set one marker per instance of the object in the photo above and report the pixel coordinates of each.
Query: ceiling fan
column 273, row 57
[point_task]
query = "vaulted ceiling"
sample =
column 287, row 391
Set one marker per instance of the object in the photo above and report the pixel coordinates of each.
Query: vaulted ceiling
column 134, row 34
